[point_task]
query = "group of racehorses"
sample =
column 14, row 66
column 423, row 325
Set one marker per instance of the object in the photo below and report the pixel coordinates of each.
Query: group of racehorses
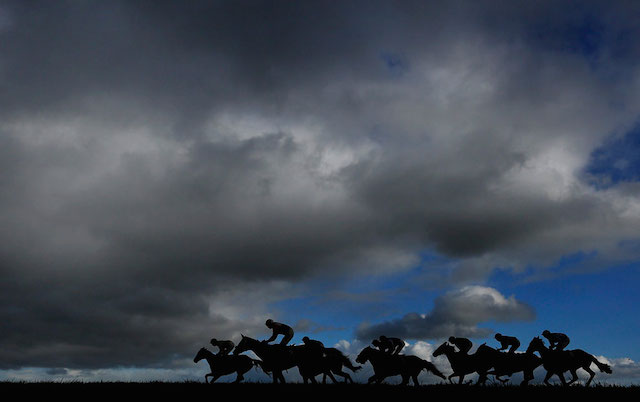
column 485, row 361
column 489, row 361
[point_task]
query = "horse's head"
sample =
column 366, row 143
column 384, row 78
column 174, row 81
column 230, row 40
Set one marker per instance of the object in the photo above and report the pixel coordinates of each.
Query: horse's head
column 485, row 348
column 363, row 356
column 445, row 349
column 202, row 353
column 535, row 345
column 243, row 345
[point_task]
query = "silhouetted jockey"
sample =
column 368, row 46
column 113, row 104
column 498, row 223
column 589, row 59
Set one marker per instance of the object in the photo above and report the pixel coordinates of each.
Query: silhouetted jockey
column 557, row 340
column 463, row 344
column 506, row 341
column 224, row 346
column 313, row 345
column 392, row 346
column 279, row 329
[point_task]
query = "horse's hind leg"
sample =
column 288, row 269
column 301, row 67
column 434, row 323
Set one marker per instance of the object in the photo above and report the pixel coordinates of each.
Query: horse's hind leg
column 344, row 375
column 574, row 377
column 591, row 375
column 277, row 376
column 241, row 372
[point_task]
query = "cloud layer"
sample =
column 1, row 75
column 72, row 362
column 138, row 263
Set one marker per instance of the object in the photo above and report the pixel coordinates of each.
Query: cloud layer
column 167, row 170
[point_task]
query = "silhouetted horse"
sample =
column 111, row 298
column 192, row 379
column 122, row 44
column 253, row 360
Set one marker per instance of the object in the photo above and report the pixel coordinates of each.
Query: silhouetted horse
column 462, row 364
column 558, row 361
column 310, row 363
column 275, row 358
column 335, row 360
column 510, row 363
column 326, row 361
column 386, row 365
column 224, row 364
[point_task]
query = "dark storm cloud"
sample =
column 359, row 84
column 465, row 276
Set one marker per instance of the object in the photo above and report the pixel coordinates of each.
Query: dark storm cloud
column 169, row 168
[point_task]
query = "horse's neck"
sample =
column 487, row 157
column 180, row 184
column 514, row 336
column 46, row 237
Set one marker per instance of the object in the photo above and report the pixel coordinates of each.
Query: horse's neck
column 544, row 351
column 377, row 355
column 210, row 357
column 264, row 351
column 451, row 355
column 257, row 347
column 457, row 358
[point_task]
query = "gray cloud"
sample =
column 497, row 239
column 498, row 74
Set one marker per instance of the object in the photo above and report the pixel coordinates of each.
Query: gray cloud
column 456, row 313
column 168, row 169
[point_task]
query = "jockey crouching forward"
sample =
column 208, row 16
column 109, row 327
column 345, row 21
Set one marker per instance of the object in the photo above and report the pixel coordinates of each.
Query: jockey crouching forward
column 279, row 329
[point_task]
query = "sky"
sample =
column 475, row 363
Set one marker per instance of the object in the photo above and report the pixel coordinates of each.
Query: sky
column 172, row 172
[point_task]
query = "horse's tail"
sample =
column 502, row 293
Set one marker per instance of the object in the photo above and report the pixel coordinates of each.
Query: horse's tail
column 348, row 364
column 338, row 356
column 605, row 368
column 260, row 364
column 432, row 368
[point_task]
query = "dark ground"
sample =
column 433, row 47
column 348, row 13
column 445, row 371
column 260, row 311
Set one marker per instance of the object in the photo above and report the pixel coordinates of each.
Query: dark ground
column 164, row 390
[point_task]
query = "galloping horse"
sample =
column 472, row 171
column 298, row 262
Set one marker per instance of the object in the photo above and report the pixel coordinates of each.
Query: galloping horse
column 558, row 361
column 335, row 360
column 386, row 365
column 277, row 358
column 223, row 365
column 505, row 363
column 463, row 364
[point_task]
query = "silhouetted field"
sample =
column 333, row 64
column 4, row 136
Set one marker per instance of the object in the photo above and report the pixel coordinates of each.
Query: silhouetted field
column 264, row 390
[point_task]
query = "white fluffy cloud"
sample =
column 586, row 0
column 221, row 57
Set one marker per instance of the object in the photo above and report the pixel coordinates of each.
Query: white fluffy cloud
column 456, row 313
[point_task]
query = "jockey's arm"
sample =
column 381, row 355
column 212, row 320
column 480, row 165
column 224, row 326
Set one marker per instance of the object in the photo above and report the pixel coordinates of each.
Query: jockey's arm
column 274, row 335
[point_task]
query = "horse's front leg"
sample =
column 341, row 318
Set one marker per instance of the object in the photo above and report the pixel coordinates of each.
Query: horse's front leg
column 330, row 375
column 560, row 375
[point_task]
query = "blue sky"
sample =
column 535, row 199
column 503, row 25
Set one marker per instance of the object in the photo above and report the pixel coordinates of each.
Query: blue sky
column 176, row 171
column 597, row 309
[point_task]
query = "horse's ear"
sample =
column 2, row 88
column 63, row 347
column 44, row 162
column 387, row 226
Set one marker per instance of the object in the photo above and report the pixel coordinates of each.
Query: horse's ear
column 242, row 335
